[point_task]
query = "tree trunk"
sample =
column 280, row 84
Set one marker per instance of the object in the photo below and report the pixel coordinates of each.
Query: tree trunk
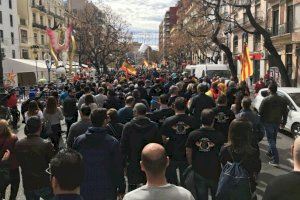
column 268, row 44
column 227, row 51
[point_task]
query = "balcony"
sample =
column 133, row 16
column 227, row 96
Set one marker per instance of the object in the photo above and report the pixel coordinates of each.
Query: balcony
column 40, row 26
column 39, row 7
column 55, row 15
column 282, row 29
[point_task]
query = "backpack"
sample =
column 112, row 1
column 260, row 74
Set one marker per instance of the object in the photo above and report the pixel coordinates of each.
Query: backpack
column 234, row 182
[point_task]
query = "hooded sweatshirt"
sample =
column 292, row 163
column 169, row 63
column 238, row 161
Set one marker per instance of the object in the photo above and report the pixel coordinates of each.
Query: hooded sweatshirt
column 137, row 133
column 103, row 169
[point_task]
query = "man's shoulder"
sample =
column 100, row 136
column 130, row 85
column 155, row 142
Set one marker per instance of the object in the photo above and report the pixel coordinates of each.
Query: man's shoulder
column 285, row 179
column 170, row 190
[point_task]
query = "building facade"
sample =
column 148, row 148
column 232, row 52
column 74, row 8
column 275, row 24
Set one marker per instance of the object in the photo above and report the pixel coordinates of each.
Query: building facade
column 9, row 24
column 35, row 16
column 170, row 19
column 236, row 37
column 284, row 25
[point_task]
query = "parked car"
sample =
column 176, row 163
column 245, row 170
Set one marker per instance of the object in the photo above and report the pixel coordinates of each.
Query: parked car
column 292, row 95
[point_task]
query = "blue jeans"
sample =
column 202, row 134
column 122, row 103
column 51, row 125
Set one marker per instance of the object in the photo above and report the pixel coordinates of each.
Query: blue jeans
column 271, row 132
column 44, row 193
column 202, row 185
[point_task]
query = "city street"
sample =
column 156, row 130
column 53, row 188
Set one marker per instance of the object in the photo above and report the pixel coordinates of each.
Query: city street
column 268, row 172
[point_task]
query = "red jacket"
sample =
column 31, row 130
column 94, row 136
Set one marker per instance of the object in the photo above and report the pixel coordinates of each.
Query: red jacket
column 9, row 144
column 12, row 101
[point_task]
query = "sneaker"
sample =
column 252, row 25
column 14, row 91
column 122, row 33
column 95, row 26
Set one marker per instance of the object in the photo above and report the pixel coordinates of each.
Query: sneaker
column 272, row 163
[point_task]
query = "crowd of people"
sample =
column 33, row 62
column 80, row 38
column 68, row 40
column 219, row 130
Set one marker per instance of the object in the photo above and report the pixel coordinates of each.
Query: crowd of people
column 159, row 136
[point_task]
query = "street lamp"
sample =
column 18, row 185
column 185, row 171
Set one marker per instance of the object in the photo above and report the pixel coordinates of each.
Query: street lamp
column 47, row 59
column 35, row 53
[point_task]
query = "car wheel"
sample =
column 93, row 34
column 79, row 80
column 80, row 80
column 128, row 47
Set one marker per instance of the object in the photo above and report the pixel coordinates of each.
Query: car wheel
column 296, row 130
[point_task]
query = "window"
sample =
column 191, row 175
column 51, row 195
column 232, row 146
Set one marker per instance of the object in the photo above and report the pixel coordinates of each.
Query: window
column 13, row 53
column 1, row 35
column 289, row 59
column 10, row 4
column 42, row 39
column 34, row 17
column 235, row 43
column 41, row 20
column 3, row 52
column 25, row 54
column 290, row 19
column 49, row 22
column 11, row 20
column 12, row 36
column 24, row 38
column 40, row 2
column 256, row 42
column 35, row 35
column 275, row 22
column 1, row 17
column 245, row 38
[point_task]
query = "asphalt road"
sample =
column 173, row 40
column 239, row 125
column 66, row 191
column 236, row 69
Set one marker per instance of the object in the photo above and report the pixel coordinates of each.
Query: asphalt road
column 268, row 172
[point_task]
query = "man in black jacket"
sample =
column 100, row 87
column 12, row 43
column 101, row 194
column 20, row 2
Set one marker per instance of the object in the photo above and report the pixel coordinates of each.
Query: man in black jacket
column 70, row 109
column 34, row 155
column 201, row 102
column 137, row 133
column 273, row 111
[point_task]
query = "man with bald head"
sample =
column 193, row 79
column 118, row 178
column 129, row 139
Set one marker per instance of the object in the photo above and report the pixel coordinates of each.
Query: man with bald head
column 154, row 162
column 286, row 187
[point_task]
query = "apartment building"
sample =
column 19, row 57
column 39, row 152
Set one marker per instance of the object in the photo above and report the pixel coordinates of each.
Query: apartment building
column 9, row 23
column 284, row 26
column 35, row 16
column 170, row 19
column 238, row 37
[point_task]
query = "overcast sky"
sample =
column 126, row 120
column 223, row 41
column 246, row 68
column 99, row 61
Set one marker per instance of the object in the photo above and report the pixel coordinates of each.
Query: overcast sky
column 141, row 14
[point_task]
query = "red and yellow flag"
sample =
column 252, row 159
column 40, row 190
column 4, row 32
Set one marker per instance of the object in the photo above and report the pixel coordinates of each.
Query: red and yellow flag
column 129, row 69
column 247, row 66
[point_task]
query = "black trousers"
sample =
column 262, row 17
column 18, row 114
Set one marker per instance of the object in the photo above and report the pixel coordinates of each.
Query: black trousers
column 14, row 182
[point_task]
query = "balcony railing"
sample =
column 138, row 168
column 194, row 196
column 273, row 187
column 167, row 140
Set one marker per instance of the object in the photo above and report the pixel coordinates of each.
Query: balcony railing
column 40, row 26
column 55, row 15
column 39, row 7
column 282, row 29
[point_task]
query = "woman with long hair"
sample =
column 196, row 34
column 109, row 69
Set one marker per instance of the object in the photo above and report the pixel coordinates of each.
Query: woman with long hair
column 239, row 149
column 53, row 115
column 89, row 101
column 7, row 144
column 33, row 110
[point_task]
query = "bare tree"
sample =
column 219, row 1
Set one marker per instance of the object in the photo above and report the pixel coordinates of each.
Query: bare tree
column 103, row 37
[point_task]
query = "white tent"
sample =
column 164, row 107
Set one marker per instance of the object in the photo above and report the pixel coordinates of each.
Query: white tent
column 30, row 67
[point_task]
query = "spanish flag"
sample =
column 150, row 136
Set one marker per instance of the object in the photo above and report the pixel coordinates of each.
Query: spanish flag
column 247, row 66
column 129, row 69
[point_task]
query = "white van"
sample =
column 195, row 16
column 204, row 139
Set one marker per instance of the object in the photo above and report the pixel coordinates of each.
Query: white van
column 209, row 70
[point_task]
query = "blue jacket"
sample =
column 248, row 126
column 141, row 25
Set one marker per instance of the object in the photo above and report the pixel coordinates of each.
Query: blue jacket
column 104, row 176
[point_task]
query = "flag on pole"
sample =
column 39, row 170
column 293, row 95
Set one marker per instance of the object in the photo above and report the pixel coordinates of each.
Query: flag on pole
column 247, row 66
column 129, row 69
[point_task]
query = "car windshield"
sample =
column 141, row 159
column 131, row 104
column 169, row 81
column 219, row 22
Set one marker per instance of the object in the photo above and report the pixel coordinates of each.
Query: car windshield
column 296, row 98
column 220, row 73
